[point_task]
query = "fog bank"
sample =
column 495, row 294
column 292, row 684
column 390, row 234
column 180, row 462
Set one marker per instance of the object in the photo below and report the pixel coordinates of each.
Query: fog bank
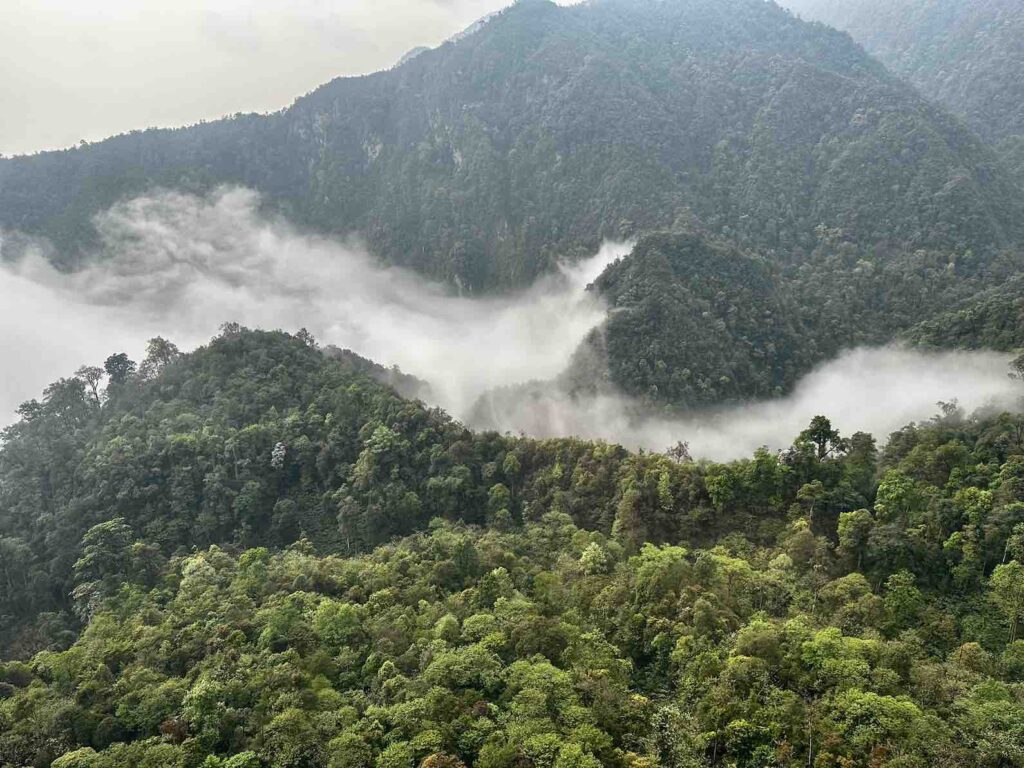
column 876, row 390
column 179, row 266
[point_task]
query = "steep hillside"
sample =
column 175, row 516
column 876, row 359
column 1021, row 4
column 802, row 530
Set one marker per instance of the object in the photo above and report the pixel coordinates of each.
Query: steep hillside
column 552, row 127
column 967, row 55
column 694, row 321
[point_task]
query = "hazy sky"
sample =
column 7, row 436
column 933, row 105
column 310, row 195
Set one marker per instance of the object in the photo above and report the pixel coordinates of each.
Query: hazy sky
column 87, row 69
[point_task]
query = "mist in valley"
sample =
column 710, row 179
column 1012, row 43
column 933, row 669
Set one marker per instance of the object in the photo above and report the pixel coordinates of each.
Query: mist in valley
column 179, row 266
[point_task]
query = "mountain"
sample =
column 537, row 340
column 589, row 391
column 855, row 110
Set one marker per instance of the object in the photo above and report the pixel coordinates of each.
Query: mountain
column 695, row 321
column 549, row 128
column 992, row 319
column 964, row 54
column 258, row 556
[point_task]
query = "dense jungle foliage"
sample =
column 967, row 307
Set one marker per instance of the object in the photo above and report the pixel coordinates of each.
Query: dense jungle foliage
column 551, row 128
column 994, row 319
column 963, row 54
column 262, row 554
column 199, row 569
column 695, row 321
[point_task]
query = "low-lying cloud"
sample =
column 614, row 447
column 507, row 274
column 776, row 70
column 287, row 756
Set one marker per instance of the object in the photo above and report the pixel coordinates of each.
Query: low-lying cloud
column 179, row 266
column 875, row 390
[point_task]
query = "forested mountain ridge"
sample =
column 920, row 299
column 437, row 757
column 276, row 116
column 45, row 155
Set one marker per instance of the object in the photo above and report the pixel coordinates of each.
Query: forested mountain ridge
column 694, row 320
column 208, row 519
column 551, row 127
column 965, row 54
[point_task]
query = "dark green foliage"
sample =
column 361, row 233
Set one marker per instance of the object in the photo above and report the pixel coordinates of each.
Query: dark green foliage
column 964, row 54
column 553, row 127
column 260, row 438
column 695, row 321
column 992, row 320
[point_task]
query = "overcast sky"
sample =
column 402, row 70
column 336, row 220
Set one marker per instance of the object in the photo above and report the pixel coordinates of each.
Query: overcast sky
column 87, row 69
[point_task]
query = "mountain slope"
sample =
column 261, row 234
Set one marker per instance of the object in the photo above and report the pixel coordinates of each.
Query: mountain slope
column 967, row 55
column 552, row 127
column 694, row 322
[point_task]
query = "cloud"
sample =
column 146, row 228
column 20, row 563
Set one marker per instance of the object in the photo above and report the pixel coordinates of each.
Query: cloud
column 178, row 266
column 86, row 69
column 875, row 390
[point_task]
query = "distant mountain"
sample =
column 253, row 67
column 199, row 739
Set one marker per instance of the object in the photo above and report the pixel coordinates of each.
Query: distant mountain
column 412, row 54
column 968, row 55
column 550, row 128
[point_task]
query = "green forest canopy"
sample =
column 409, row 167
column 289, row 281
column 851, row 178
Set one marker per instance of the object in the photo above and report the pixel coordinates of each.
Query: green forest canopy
column 256, row 555
column 963, row 54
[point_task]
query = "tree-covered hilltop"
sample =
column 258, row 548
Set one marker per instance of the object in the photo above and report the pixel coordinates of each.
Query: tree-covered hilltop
column 205, row 554
column 550, row 128
column 964, row 54
column 693, row 320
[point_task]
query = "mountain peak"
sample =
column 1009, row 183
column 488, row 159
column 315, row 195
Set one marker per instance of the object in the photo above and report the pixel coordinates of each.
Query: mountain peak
column 550, row 128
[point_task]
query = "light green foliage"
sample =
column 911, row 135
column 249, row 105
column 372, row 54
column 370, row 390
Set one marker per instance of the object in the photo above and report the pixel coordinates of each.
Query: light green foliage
column 631, row 611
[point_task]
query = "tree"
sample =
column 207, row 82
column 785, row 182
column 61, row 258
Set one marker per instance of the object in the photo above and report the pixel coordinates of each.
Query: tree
column 105, row 551
column 307, row 338
column 680, row 453
column 1006, row 587
column 810, row 494
column 159, row 353
column 293, row 741
column 854, row 533
column 119, row 369
column 15, row 573
column 92, row 376
column 104, row 563
column 826, row 440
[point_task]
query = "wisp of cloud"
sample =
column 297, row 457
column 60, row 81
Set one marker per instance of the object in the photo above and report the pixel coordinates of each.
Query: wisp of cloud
column 179, row 265
column 875, row 390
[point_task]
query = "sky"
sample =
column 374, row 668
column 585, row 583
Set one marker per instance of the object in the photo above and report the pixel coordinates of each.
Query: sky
column 73, row 70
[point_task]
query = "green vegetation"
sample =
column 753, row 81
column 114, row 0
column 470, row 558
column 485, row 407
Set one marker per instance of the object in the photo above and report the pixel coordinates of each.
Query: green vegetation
column 265, row 555
column 696, row 321
column 964, row 54
column 551, row 128
column 815, row 202
column 203, row 557
column 992, row 320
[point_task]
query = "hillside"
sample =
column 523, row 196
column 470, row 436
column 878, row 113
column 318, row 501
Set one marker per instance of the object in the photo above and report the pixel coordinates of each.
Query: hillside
column 695, row 321
column 196, row 550
column 964, row 54
column 550, row 128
